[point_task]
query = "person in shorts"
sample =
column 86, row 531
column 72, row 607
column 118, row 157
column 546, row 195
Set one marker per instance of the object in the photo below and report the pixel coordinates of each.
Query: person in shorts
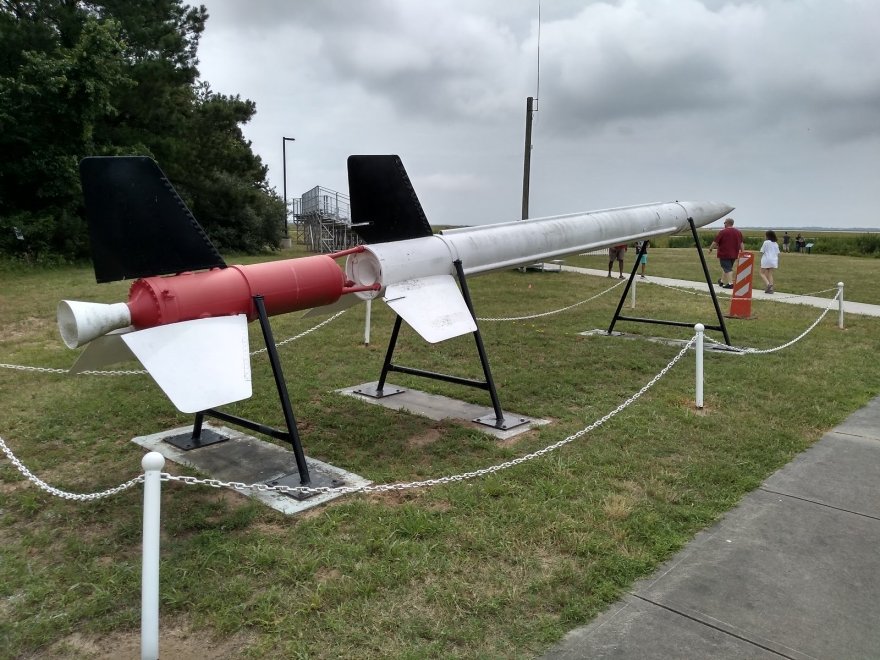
column 729, row 243
column 643, row 259
column 769, row 261
column 616, row 254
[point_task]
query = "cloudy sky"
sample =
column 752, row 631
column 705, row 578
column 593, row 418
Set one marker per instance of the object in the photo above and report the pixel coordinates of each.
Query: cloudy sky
column 772, row 106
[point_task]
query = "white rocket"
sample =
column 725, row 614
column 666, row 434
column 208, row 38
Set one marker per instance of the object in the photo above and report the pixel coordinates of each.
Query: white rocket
column 416, row 275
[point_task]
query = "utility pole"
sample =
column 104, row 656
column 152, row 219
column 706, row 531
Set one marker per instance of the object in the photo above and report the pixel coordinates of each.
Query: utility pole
column 527, row 158
column 286, row 240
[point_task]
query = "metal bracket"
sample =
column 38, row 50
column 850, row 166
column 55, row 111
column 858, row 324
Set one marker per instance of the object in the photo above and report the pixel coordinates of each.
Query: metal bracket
column 187, row 441
column 506, row 423
column 375, row 393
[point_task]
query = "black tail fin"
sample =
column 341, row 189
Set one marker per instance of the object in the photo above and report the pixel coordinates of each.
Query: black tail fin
column 384, row 205
column 138, row 224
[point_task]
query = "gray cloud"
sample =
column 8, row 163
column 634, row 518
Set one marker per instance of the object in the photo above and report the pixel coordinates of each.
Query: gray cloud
column 771, row 101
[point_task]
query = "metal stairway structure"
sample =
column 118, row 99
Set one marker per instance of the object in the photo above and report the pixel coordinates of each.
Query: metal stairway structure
column 323, row 221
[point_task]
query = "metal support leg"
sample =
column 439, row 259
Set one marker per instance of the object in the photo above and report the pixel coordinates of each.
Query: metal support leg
column 629, row 282
column 378, row 392
column 197, row 426
column 721, row 325
column 281, row 385
column 386, row 366
column 484, row 359
column 709, row 281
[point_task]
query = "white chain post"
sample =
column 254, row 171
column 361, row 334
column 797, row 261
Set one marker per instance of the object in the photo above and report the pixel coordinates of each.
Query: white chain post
column 634, row 294
column 840, row 305
column 367, row 322
column 699, row 328
column 152, row 464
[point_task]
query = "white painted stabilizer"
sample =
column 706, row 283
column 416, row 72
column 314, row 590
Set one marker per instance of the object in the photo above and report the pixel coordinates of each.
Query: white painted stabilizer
column 198, row 364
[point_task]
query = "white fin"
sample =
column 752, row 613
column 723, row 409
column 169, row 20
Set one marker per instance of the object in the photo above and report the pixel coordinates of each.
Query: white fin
column 198, row 364
column 102, row 352
column 433, row 306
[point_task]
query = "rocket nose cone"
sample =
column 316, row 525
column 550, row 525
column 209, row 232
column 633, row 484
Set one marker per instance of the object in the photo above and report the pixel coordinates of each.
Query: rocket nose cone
column 705, row 212
column 722, row 209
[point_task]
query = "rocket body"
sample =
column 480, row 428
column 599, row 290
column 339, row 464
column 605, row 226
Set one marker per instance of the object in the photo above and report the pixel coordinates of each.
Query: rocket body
column 415, row 276
column 286, row 286
column 506, row 245
column 190, row 330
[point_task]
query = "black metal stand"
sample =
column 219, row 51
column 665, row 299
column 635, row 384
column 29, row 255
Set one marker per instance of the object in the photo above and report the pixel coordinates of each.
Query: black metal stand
column 198, row 438
column 721, row 326
column 496, row 421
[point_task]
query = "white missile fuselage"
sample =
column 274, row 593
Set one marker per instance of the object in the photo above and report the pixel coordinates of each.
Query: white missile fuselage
column 416, row 275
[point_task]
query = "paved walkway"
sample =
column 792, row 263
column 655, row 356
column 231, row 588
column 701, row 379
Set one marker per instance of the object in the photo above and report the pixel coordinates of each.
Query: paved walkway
column 792, row 572
column 757, row 294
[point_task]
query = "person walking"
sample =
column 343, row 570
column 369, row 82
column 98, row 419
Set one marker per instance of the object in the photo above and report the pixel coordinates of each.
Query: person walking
column 616, row 254
column 786, row 240
column 643, row 259
column 729, row 243
column 769, row 260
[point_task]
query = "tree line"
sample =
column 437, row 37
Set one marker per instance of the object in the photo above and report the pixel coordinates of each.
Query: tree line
column 115, row 77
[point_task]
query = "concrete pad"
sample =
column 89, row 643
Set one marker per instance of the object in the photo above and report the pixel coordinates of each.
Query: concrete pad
column 243, row 458
column 840, row 471
column 437, row 407
column 796, row 577
column 634, row 628
column 708, row 346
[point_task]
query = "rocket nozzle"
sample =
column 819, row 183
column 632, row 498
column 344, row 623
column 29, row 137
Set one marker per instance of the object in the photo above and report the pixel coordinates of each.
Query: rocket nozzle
column 81, row 322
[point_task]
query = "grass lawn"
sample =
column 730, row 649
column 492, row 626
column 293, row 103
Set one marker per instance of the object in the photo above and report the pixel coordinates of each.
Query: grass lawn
column 501, row 566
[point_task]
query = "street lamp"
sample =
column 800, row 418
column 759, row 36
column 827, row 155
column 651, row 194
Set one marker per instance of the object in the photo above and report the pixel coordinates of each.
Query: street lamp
column 284, row 141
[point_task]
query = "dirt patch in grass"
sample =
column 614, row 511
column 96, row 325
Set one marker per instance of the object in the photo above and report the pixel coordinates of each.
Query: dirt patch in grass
column 425, row 438
column 178, row 642
column 27, row 328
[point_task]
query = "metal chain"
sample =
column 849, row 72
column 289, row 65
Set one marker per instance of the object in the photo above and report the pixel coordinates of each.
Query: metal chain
column 804, row 295
column 757, row 351
column 302, row 334
column 80, row 497
column 555, row 311
column 45, row 370
column 141, row 372
column 381, row 488
column 706, row 295
column 341, row 490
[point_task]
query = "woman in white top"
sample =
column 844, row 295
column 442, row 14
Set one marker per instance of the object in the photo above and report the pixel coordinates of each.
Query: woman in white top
column 769, row 260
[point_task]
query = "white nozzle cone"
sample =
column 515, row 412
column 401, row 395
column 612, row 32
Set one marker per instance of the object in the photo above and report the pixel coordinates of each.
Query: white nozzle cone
column 81, row 322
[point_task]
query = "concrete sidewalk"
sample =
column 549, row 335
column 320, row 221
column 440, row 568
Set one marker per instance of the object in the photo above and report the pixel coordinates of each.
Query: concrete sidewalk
column 792, row 572
column 757, row 294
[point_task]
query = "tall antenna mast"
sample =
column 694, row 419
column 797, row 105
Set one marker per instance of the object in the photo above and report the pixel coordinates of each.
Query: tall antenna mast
column 531, row 108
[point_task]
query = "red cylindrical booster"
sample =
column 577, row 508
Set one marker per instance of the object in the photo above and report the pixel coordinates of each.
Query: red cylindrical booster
column 286, row 286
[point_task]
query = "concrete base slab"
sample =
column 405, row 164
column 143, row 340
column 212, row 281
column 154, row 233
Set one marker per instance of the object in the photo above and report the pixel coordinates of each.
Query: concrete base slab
column 709, row 347
column 436, row 407
column 243, row 458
